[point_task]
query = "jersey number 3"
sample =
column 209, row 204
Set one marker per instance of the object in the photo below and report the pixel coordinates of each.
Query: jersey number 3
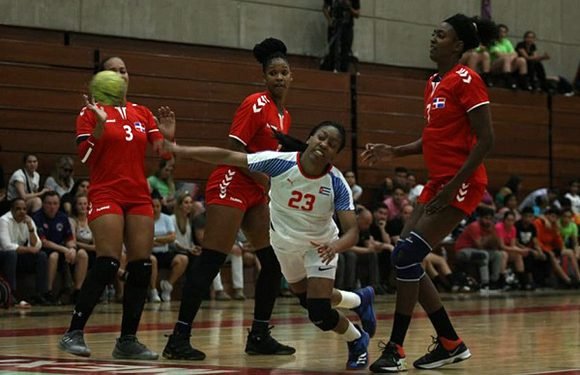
column 300, row 201
column 129, row 133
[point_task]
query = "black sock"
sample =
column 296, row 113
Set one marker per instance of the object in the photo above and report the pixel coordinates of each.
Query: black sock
column 443, row 281
column 198, row 279
column 138, row 279
column 267, row 285
column 442, row 324
column 102, row 273
column 400, row 326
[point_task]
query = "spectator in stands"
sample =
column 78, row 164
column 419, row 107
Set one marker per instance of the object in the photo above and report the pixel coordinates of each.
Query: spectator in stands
column 59, row 243
column 61, row 179
column 487, row 201
column 20, row 249
column 415, row 188
column 395, row 226
column 510, row 204
column 340, row 15
column 537, row 262
column 164, row 254
column 479, row 60
column 80, row 187
column 550, row 193
column 500, row 196
column 552, row 245
column 536, row 72
column 514, row 183
column 401, row 177
column 162, row 182
column 505, row 61
column 569, row 232
column 573, row 195
column 384, row 191
column 24, row 183
column 397, row 201
column 356, row 189
column 83, row 236
column 378, row 231
column 507, row 233
column 237, row 272
column 367, row 269
column 444, row 279
column 479, row 244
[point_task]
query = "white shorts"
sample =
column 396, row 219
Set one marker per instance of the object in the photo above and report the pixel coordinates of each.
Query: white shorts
column 299, row 262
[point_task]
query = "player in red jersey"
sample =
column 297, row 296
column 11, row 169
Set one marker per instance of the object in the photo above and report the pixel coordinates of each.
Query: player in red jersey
column 112, row 141
column 236, row 198
column 457, row 137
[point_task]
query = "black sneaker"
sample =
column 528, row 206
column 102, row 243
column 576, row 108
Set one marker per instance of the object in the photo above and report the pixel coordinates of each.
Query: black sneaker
column 178, row 347
column 439, row 356
column 391, row 360
column 128, row 347
column 73, row 342
column 262, row 343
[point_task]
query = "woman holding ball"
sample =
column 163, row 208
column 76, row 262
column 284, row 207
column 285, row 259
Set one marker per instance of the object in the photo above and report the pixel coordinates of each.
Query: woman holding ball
column 112, row 140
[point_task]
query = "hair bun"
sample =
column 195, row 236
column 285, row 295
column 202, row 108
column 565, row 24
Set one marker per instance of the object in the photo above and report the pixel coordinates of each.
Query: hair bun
column 268, row 47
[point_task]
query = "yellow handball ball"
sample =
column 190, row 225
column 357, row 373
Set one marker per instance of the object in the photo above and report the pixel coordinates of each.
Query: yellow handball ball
column 108, row 88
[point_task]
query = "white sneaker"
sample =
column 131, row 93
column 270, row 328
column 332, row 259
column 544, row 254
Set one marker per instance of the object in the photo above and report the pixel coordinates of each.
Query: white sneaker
column 154, row 296
column 166, row 289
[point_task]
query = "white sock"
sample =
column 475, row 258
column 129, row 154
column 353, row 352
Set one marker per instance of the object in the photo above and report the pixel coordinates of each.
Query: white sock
column 351, row 333
column 349, row 300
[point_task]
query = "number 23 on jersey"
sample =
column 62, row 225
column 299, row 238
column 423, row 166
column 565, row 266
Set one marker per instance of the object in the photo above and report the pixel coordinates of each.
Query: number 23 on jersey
column 301, row 201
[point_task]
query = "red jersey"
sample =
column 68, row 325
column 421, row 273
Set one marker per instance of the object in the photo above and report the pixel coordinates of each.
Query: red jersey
column 116, row 161
column 447, row 137
column 471, row 234
column 253, row 123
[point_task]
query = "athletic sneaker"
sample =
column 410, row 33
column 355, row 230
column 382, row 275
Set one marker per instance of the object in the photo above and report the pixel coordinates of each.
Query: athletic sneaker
column 358, row 354
column 178, row 347
column 439, row 356
column 392, row 359
column 262, row 343
column 128, row 347
column 73, row 342
column 365, row 310
column 154, row 296
column 166, row 289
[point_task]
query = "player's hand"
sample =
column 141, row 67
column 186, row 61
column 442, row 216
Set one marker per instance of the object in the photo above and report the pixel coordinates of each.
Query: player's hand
column 99, row 112
column 325, row 251
column 375, row 152
column 440, row 201
column 166, row 122
column 70, row 256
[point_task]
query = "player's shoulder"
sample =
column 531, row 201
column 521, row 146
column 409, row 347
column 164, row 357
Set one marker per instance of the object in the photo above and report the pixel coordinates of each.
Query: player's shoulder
column 137, row 107
column 336, row 175
column 464, row 75
column 257, row 101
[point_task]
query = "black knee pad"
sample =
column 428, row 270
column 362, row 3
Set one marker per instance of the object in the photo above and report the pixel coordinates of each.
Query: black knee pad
column 303, row 300
column 105, row 269
column 322, row 314
column 139, row 273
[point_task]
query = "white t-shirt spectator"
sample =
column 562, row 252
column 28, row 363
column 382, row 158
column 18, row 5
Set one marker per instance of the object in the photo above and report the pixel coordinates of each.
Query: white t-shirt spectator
column 163, row 227
column 31, row 183
column 14, row 234
column 51, row 184
column 183, row 239
column 575, row 199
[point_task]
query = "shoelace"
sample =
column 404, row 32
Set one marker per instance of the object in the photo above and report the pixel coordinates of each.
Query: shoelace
column 434, row 344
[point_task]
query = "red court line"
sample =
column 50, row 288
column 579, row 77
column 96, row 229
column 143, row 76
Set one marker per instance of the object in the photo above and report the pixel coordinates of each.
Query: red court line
column 23, row 332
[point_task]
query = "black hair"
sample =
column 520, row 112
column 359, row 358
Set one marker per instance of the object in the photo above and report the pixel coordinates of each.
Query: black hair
column 507, row 198
column 402, row 170
column 268, row 50
column 290, row 143
column 513, row 182
column 155, row 194
column 13, row 201
column 102, row 63
column 527, row 210
column 485, row 211
column 499, row 26
column 552, row 210
column 508, row 213
column 75, row 188
column 473, row 30
column 50, row 193
column 529, row 32
column 25, row 157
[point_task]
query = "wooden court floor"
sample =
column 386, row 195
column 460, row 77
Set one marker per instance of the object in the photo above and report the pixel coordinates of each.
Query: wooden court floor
column 526, row 333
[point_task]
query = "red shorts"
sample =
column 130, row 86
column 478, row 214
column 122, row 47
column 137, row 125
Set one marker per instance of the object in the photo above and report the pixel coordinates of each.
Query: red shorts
column 467, row 198
column 103, row 204
column 230, row 187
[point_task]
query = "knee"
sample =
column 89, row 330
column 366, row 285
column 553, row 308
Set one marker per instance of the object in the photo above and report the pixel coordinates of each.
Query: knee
column 321, row 313
column 180, row 260
column 139, row 273
column 82, row 255
column 53, row 257
column 408, row 256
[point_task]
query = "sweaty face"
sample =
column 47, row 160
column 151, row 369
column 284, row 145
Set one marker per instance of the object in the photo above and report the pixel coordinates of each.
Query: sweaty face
column 324, row 144
column 117, row 65
column 278, row 77
column 50, row 206
column 444, row 43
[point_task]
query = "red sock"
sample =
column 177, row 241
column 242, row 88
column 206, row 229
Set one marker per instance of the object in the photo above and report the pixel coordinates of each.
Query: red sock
column 449, row 344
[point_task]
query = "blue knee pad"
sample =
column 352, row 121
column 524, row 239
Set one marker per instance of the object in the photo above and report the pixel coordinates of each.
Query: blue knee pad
column 407, row 257
column 322, row 314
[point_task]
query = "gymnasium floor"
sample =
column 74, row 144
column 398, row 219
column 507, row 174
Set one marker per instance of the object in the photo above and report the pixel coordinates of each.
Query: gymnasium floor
column 513, row 333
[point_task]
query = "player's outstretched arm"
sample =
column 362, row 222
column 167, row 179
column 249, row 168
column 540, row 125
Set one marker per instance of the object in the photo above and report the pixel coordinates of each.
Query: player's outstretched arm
column 213, row 155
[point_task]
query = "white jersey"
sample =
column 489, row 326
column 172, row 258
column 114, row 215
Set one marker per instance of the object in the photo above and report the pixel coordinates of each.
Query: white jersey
column 301, row 207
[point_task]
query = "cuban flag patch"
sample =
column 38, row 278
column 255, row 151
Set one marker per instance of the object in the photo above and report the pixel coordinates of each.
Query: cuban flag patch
column 439, row 102
column 324, row 190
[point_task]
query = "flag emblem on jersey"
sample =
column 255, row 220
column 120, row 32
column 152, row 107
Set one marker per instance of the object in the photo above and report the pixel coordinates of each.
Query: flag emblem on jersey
column 324, row 190
column 139, row 126
column 439, row 102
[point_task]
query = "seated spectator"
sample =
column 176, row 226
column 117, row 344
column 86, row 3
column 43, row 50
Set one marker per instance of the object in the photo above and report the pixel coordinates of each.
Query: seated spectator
column 163, row 256
column 58, row 242
column 540, row 205
column 384, row 191
column 24, row 183
column 479, row 244
column 20, row 250
column 549, row 193
column 439, row 271
column 382, row 239
column 569, row 232
column 487, row 201
column 162, row 182
column 500, row 196
column 526, row 238
column 83, row 236
column 235, row 257
column 552, row 245
column 515, row 184
column 367, row 269
column 396, row 202
column 573, row 195
column 80, row 187
column 536, row 72
column 510, row 204
column 61, row 179
column 507, row 233
column 415, row 189
column 479, row 60
column 356, row 189
column 505, row 61
column 395, row 226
